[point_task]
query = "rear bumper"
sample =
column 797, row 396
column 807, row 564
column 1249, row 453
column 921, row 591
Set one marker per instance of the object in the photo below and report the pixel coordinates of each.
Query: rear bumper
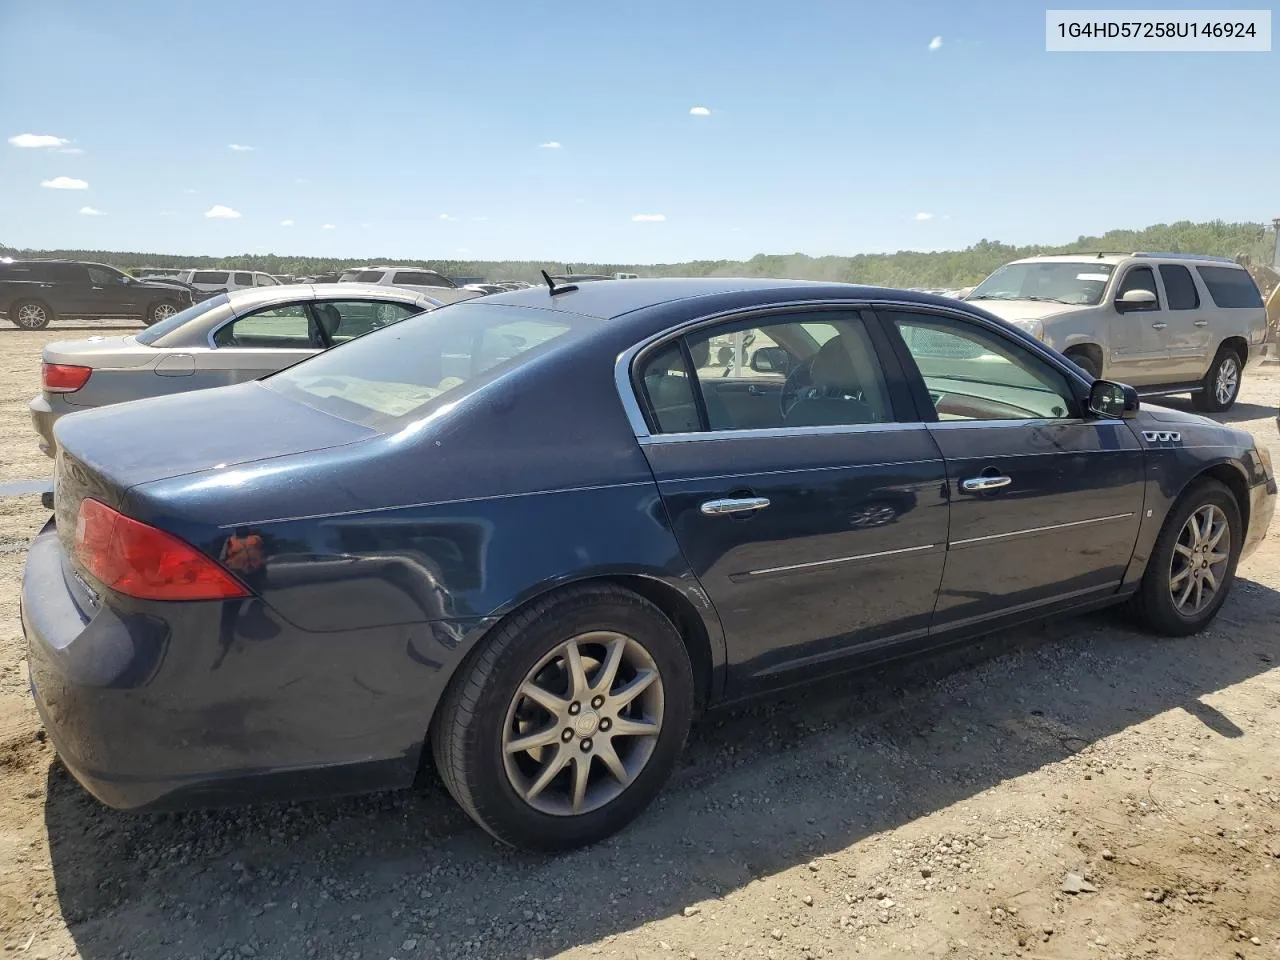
column 1262, row 508
column 196, row 704
column 43, row 417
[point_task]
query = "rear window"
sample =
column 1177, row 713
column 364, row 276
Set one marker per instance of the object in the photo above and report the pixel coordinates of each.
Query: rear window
column 368, row 276
column 209, row 276
column 1230, row 287
column 409, row 369
column 421, row 278
column 1179, row 287
column 158, row 330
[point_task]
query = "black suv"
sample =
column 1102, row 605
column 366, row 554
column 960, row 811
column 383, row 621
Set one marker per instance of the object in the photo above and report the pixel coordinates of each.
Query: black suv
column 33, row 293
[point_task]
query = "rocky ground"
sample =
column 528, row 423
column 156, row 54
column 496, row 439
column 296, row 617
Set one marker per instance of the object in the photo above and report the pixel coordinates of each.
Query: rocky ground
column 1074, row 790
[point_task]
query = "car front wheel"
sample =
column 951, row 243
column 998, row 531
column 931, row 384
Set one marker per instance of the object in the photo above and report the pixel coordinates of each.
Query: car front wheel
column 160, row 311
column 1193, row 563
column 1221, row 384
column 566, row 722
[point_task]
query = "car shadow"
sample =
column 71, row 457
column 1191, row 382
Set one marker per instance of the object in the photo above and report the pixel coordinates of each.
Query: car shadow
column 75, row 327
column 1239, row 412
column 760, row 788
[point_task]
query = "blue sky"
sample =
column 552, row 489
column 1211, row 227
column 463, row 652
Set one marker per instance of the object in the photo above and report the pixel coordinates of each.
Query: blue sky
column 415, row 129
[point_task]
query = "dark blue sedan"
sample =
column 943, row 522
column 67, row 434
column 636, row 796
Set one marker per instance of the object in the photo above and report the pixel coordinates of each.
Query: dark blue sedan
column 538, row 533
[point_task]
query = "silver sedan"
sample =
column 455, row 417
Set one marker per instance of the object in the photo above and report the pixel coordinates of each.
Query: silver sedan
column 226, row 339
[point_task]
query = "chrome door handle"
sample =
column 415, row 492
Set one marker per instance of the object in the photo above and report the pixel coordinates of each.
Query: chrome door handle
column 1158, row 326
column 719, row 508
column 979, row 484
column 1202, row 323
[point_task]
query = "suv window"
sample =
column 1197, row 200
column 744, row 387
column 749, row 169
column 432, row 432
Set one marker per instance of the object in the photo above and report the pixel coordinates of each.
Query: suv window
column 797, row 370
column 263, row 280
column 369, row 276
column 216, row 277
column 1230, row 287
column 288, row 327
column 243, row 279
column 421, row 278
column 345, row 320
column 1179, row 287
column 1140, row 278
column 103, row 276
column 973, row 374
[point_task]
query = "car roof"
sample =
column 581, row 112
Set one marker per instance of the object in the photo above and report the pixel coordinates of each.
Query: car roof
column 1115, row 258
column 605, row 299
column 257, row 296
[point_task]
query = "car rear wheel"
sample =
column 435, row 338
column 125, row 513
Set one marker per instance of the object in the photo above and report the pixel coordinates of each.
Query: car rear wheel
column 30, row 315
column 1193, row 564
column 160, row 311
column 566, row 722
column 1221, row 384
column 1085, row 362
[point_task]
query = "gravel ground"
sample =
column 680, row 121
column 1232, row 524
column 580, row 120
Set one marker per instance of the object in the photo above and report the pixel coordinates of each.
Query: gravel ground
column 1072, row 790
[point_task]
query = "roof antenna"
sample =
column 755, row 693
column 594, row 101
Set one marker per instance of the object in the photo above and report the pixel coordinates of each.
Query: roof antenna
column 551, row 284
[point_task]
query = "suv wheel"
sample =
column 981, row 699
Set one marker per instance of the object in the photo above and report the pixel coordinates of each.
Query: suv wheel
column 1085, row 363
column 30, row 315
column 567, row 721
column 160, row 311
column 1221, row 384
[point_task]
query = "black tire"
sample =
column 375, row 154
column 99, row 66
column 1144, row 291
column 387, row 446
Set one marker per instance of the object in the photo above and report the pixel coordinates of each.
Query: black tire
column 1153, row 605
column 1221, row 385
column 38, row 315
column 1085, row 363
column 160, row 310
column 468, row 729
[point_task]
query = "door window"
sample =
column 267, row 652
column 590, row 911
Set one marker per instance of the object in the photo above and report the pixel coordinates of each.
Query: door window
column 215, row 278
column 1179, row 287
column 102, row 276
column 973, row 374
column 288, row 327
column 420, row 278
column 263, row 280
column 1140, row 278
column 243, row 279
column 798, row 370
column 344, row 320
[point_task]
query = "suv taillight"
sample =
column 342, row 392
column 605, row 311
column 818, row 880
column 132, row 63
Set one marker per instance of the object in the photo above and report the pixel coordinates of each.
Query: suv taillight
column 63, row 377
column 140, row 561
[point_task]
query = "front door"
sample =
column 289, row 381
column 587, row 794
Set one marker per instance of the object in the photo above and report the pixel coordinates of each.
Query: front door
column 1045, row 504
column 115, row 294
column 256, row 344
column 1139, row 350
column 813, row 519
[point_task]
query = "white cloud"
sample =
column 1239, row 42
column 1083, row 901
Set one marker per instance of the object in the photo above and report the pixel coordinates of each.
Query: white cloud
column 64, row 183
column 219, row 212
column 301, row 180
column 649, row 218
column 91, row 212
column 37, row 140
column 448, row 216
column 699, row 111
column 924, row 216
column 365, row 225
column 188, row 190
column 935, row 43
column 479, row 219
column 72, row 150
column 167, row 213
column 549, row 145
column 327, row 226
column 238, row 147
column 286, row 223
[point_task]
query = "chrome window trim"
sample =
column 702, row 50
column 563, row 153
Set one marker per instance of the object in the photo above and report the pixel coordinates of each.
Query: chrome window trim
column 1052, row 526
column 389, row 297
column 624, row 361
column 770, row 433
column 834, row 560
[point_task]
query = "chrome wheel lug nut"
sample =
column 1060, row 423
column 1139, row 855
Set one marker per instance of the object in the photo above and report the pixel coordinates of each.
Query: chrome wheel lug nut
column 606, row 723
column 597, row 702
column 567, row 735
column 575, row 708
column 586, row 745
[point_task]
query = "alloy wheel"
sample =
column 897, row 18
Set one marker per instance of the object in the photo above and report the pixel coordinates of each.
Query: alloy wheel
column 1198, row 569
column 32, row 316
column 583, row 724
column 1227, row 381
column 162, row 311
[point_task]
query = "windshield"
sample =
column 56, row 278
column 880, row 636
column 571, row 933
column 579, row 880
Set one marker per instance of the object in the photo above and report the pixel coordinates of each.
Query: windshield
column 158, row 330
column 386, row 377
column 1080, row 282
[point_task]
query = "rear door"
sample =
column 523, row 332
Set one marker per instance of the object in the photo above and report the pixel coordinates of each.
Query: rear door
column 73, row 295
column 1045, row 504
column 115, row 295
column 812, row 515
column 1139, row 351
column 1189, row 330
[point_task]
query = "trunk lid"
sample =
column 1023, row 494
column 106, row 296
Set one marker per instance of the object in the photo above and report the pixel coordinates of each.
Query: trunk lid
column 101, row 352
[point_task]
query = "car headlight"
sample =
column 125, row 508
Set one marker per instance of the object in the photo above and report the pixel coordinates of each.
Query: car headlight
column 1033, row 327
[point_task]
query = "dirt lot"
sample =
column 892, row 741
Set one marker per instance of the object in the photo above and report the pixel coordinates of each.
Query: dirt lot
column 932, row 809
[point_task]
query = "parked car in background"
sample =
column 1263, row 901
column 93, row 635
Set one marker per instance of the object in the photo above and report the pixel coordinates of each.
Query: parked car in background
column 147, row 273
column 1167, row 323
column 484, row 289
column 413, row 278
column 228, row 338
column 534, row 534
column 223, row 281
column 34, row 293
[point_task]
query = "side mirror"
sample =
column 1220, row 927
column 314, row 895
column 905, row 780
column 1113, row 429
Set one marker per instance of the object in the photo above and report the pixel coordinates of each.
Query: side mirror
column 1136, row 300
column 1115, row 401
column 771, row 360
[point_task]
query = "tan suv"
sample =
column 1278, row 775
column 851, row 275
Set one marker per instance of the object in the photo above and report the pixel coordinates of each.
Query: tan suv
column 1164, row 322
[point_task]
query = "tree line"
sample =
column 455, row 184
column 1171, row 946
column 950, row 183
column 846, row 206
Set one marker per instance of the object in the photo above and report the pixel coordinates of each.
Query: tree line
column 1251, row 243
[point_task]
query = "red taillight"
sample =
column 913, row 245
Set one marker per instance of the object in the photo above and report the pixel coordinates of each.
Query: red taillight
column 64, row 377
column 141, row 561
